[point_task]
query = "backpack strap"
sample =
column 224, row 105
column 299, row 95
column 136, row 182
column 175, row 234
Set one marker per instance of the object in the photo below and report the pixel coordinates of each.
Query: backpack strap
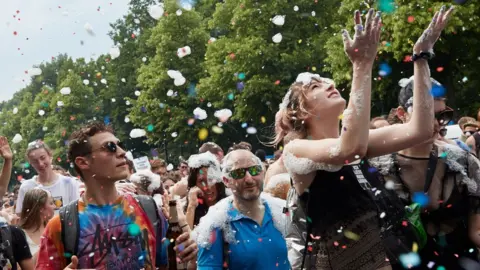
column 150, row 207
column 6, row 244
column 70, row 227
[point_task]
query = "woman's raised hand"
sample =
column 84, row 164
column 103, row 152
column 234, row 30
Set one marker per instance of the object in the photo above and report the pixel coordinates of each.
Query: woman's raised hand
column 363, row 47
column 427, row 40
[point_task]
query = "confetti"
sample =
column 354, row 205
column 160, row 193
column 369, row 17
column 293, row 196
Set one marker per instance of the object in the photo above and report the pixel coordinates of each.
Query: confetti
column 150, row 127
column 156, row 11
column 174, row 134
column 386, row 6
column 411, row 19
column 15, row 110
column 279, row 20
column 295, row 8
column 440, row 69
column 179, row 12
column 184, row 51
column 421, row 198
column 240, row 86
column 223, row 115
column 191, row 121
column 127, row 120
column 251, row 130
column 217, row 130
column 35, row 72
column 385, row 70
column 114, row 52
column 277, row 38
column 409, row 260
column 86, row 82
column 203, row 134
column 241, row 76
column 137, row 133
column 41, row 112
column 17, row 138
column 231, row 96
column 351, row 235
column 88, row 27
column 65, row 91
column 200, row 113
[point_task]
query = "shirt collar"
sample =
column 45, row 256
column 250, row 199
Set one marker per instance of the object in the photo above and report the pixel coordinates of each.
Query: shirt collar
column 235, row 215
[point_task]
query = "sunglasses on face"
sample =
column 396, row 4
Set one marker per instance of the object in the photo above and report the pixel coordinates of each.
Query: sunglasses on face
column 240, row 173
column 111, row 147
column 443, row 132
column 444, row 117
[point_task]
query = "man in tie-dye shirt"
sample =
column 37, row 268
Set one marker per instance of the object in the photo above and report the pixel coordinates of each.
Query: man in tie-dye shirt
column 114, row 230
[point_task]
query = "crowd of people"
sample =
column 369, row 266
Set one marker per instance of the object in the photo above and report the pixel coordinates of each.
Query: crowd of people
column 391, row 192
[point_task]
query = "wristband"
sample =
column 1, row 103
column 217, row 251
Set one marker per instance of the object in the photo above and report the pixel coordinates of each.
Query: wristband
column 423, row 55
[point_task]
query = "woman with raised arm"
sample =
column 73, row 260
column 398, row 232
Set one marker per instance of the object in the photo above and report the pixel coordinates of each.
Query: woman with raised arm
column 335, row 215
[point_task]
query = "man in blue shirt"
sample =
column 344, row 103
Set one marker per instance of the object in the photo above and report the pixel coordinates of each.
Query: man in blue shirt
column 245, row 230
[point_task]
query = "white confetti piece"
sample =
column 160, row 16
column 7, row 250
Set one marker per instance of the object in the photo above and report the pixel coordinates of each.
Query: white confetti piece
column 127, row 120
column 89, row 28
column 60, row 103
column 223, row 115
column 295, row 8
column 184, row 51
column 251, row 130
column 114, row 52
column 137, row 133
column 15, row 110
column 103, row 81
column 41, row 112
column 17, row 138
column 277, row 38
column 156, row 11
column 170, row 167
column 179, row 12
column 137, row 93
column 169, row 93
column 45, row 128
column 200, row 113
column 279, row 20
column 123, row 80
column 65, row 91
column 35, row 71
column 86, row 82
column 174, row 134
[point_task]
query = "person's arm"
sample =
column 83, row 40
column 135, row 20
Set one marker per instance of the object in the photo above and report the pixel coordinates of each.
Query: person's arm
column 21, row 196
column 394, row 138
column 6, row 154
column 303, row 157
column 211, row 258
column 472, row 145
column 353, row 139
column 20, row 249
column 51, row 254
column 474, row 229
column 192, row 205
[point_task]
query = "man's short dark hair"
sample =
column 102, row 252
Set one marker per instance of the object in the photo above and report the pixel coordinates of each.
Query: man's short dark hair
column 79, row 142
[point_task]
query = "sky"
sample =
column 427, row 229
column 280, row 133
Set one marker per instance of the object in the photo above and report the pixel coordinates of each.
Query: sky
column 34, row 31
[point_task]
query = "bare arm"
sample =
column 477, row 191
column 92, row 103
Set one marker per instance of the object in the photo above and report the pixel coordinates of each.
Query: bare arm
column 420, row 127
column 474, row 229
column 353, row 139
column 471, row 143
column 7, row 155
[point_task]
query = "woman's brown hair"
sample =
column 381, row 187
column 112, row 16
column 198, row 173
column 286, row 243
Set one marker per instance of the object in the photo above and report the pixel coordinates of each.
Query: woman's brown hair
column 291, row 122
column 33, row 203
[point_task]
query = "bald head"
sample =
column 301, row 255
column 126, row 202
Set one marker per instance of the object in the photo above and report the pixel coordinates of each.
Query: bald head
column 240, row 158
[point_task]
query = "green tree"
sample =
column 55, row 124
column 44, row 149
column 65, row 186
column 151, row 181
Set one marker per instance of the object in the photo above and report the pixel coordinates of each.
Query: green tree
column 158, row 109
column 456, row 58
column 250, row 73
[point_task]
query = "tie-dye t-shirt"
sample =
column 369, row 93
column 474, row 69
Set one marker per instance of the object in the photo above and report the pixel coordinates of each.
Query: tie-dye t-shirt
column 115, row 236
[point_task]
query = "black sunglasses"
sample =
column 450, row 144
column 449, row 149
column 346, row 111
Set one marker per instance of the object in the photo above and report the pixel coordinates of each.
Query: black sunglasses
column 240, row 173
column 444, row 117
column 469, row 133
column 111, row 147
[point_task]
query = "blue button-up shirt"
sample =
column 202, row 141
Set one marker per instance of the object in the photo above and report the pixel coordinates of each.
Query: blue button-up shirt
column 256, row 247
